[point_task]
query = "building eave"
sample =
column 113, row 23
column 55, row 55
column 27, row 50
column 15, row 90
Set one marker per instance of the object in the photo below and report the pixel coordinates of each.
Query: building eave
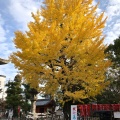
column 3, row 61
column 3, row 76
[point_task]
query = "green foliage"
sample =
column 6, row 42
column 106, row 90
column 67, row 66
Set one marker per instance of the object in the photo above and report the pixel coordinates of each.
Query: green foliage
column 26, row 92
column 18, row 95
column 27, row 97
column 114, row 51
column 112, row 92
column 14, row 97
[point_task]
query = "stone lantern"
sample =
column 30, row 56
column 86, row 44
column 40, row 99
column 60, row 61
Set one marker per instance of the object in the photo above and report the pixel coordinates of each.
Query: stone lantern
column 33, row 93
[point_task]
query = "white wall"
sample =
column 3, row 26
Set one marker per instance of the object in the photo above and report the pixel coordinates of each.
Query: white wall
column 2, row 86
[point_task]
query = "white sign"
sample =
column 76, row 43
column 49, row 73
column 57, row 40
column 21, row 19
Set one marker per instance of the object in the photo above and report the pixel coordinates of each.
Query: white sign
column 116, row 114
column 73, row 112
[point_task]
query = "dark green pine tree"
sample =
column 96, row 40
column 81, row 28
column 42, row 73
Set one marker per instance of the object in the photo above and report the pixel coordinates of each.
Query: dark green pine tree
column 112, row 92
column 14, row 94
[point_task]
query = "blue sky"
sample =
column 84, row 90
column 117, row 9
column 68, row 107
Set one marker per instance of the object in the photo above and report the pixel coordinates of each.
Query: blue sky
column 15, row 14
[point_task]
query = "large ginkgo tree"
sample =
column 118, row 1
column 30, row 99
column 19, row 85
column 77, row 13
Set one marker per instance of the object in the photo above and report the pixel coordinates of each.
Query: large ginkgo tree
column 63, row 50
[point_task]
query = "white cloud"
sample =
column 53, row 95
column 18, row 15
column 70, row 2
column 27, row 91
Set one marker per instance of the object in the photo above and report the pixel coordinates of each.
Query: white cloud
column 114, row 2
column 21, row 11
column 8, row 70
column 116, row 26
column 2, row 31
column 4, row 47
column 110, row 36
column 113, row 32
column 98, row 10
column 113, row 9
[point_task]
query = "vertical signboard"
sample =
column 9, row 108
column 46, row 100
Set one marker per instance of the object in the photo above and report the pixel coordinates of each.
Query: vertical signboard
column 73, row 112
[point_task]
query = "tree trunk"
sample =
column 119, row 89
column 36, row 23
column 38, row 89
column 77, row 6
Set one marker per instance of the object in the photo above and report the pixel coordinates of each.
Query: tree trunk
column 67, row 110
column 34, row 107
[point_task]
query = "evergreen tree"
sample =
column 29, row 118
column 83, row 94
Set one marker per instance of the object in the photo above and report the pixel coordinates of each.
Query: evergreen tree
column 14, row 94
column 27, row 97
column 112, row 93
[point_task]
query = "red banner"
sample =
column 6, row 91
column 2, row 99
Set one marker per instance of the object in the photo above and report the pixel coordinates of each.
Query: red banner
column 86, row 109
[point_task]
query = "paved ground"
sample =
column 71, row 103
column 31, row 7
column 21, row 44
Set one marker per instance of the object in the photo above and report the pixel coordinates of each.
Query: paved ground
column 25, row 119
